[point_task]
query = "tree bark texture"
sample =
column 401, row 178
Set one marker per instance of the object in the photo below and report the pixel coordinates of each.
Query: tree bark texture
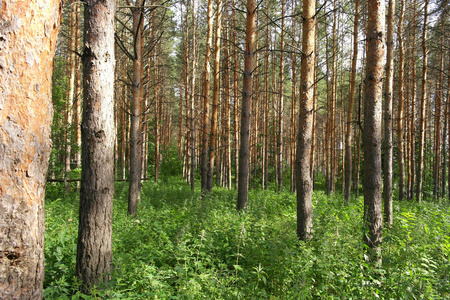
column 351, row 99
column 135, row 164
column 400, row 109
column 94, row 248
column 388, row 96
column 423, row 107
column 304, row 143
column 244, row 150
column 215, row 102
column 280, row 106
column 28, row 33
column 206, row 99
column 372, row 129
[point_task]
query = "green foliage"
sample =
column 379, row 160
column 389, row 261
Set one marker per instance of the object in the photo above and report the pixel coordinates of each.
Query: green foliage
column 184, row 247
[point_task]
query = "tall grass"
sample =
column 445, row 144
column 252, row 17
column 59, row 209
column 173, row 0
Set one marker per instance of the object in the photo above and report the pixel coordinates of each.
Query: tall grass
column 184, row 247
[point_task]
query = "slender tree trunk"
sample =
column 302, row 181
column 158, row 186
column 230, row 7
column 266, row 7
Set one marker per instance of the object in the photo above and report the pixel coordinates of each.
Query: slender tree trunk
column 448, row 117
column 293, row 131
column 235, row 106
column 358, row 144
column 400, row 115
column 437, row 118
column 373, row 220
column 388, row 94
column 423, row 107
column 351, row 98
column 303, row 174
column 192, row 100
column 333, row 159
column 158, row 114
column 206, row 98
column 226, row 114
column 280, row 105
column 78, row 98
column 25, row 129
column 215, row 102
column 266, row 105
column 444, row 152
column 246, row 106
column 94, row 248
column 135, row 163
column 412, row 133
column 71, row 75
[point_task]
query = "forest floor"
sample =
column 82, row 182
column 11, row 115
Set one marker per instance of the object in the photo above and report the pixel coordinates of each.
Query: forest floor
column 181, row 246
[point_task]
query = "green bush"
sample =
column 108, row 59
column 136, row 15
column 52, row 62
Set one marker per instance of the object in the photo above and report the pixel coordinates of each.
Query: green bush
column 181, row 246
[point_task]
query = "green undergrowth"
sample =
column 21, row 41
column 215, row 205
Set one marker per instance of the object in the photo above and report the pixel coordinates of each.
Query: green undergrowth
column 181, row 246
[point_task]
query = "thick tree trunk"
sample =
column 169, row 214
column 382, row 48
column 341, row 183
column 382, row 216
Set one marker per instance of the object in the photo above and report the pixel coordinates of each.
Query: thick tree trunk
column 388, row 94
column 28, row 36
column 303, row 173
column 351, row 98
column 244, row 151
column 94, row 248
column 373, row 220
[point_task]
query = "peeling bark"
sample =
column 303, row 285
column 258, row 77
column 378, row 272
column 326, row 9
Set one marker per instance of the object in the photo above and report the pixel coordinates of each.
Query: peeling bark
column 28, row 32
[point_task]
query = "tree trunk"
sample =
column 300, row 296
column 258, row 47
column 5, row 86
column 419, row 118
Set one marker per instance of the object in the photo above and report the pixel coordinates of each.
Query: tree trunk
column 280, row 106
column 265, row 160
column 400, row 114
column 293, row 127
column 246, row 106
column 71, row 75
column 412, row 133
column 206, row 97
column 448, row 117
column 437, row 118
column 25, row 127
column 372, row 129
column 94, row 248
column 333, row 107
column 235, row 106
column 303, row 173
column 158, row 113
column 444, row 152
column 135, row 175
column 423, row 107
column 389, row 88
column 227, row 120
column 78, row 95
column 215, row 101
column 351, row 98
